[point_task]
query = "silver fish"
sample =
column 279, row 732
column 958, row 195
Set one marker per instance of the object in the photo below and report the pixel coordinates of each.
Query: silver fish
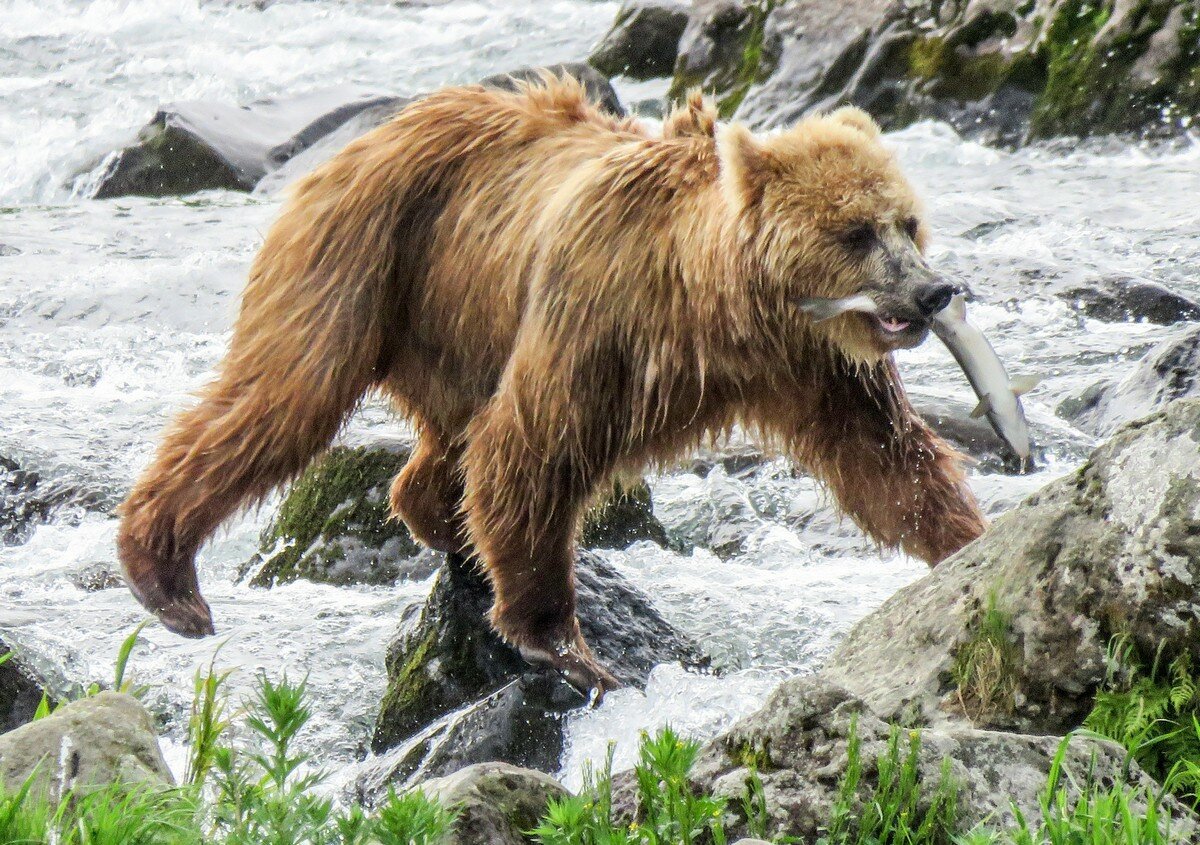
column 822, row 309
column 999, row 396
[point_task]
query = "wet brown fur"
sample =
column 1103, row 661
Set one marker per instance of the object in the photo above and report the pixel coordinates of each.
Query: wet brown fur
column 553, row 295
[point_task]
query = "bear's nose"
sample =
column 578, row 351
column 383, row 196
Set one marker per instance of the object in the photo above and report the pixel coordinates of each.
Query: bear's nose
column 934, row 297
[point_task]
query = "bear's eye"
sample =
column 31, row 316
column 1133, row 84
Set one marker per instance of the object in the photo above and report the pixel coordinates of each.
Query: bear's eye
column 858, row 238
column 911, row 226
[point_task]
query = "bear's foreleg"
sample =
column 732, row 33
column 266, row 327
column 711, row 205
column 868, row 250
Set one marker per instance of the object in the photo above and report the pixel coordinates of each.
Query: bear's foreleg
column 896, row 479
column 529, row 473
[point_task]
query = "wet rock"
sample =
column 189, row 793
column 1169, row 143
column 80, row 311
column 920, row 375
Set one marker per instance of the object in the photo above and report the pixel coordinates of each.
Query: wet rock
column 1003, row 72
column 1112, row 548
column 97, row 577
column 1166, row 373
column 196, row 146
column 798, row 745
column 20, row 691
column 644, row 40
column 518, row 723
column 27, row 499
column 89, row 743
column 624, row 518
column 1116, row 300
column 447, row 656
column 719, row 516
column 496, row 803
column 334, row 526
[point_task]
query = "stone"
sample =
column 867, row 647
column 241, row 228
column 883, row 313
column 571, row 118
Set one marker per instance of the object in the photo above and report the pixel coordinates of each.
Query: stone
column 512, row 724
column 1167, row 372
column 447, row 656
column 20, row 690
column 798, row 745
column 1112, row 548
column 1116, row 300
column 335, row 527
column 1004, row 71
column 196, row 145
column 90, row 743
column 25, row 501
column 495, row 802
column 624, row 517
column 644, row 40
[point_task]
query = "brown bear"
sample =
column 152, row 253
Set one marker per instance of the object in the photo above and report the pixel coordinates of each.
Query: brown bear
column 553, row 295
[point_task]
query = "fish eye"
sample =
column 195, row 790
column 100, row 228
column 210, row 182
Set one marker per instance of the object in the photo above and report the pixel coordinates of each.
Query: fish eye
column 911, row 226
column 858, row 238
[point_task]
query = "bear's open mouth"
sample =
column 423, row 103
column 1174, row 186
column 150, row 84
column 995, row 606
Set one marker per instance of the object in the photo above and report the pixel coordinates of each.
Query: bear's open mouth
column 893, row 326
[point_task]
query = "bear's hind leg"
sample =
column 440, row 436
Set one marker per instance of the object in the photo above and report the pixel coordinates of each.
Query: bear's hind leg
column 427, row 493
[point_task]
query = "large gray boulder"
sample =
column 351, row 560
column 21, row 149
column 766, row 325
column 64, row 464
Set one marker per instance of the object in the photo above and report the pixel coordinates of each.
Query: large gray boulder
column 1001, row 70
column 91, row 743
column 1012, row 631
column 797, row 745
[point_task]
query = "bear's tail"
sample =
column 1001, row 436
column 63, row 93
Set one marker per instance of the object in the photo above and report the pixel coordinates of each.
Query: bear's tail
column 325, row 291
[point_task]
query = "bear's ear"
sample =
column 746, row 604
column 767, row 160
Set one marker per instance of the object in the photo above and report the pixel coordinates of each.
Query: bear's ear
column 856, row 118
column 746, row 166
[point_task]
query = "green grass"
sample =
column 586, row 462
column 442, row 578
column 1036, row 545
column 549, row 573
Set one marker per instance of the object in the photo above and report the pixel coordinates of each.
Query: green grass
column 247, row 785
column 985, row 667
column 1154, row 711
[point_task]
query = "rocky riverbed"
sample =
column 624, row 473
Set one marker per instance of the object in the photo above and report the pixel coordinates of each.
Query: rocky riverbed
column 149, row 146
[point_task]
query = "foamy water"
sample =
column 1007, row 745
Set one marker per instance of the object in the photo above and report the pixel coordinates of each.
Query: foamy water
column 112, row 312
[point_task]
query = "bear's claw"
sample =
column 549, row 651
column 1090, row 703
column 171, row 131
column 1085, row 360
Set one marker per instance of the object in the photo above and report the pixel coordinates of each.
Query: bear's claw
column 581, row 671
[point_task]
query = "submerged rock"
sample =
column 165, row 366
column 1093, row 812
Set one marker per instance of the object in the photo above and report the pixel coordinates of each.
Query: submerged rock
column 797, row 745
column 1166, row 373
column 1116, row 300
column 644, row 40
column 1112, row 548
column 93, row 742
column 495, row 803
column 334, row 526
column 1005, row 71
column 197, row 145
column 447, row 656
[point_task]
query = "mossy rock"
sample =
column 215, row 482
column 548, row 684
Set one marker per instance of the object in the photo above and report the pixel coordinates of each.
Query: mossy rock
column 1007, row 72
column 624, row 517
column 447, row 655
column 334, row 526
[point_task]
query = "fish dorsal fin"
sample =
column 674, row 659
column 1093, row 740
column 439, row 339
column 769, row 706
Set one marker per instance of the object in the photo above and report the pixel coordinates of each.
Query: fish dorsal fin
column 985, row 405
column 1023, row 384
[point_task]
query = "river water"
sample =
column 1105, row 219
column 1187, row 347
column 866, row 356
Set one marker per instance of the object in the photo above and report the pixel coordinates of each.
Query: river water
column 112, row 312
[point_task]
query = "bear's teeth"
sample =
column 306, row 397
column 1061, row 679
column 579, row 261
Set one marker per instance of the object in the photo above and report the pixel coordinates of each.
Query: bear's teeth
column 894, row 325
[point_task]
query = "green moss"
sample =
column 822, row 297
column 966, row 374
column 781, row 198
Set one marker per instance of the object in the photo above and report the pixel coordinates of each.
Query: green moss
column 744, row 61
column 1088, row 83
column 752, row 68
column 984, row 666
column 957, row 74
column 410, row 678
column 341, row 498
column 748, row 756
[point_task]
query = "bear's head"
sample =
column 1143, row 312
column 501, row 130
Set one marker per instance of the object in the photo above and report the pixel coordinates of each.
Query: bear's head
column 825, row 212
